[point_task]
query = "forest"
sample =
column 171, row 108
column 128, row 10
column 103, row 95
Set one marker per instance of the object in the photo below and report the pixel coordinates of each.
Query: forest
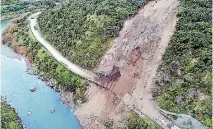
column 8, row 2
column 19, row 37
column 184, row 79
column 83, row 30
column 9, row 118
column 25, row 6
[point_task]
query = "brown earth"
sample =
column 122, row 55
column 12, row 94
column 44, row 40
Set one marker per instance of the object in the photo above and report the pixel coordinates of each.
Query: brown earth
column 129, row 74
column 10, row 37
column 149, row 31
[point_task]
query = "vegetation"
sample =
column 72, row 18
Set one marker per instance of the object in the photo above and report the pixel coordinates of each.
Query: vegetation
column 136, row 122
column 9, row 118
column 83, row 29
column 185, row 81
column 26, row 6
column 108, row 124
column 7, row 2
column 20, row 38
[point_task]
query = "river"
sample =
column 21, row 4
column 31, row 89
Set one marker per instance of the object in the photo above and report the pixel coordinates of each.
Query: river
column 15, row 86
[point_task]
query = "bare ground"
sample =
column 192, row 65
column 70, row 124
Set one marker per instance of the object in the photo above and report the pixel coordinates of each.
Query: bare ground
column 150, row 30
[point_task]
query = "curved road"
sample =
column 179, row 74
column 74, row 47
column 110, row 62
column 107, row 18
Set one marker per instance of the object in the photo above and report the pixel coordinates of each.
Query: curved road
column 58, row 56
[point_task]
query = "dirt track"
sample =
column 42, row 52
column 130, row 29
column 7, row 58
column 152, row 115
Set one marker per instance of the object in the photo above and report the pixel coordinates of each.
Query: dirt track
column 150, row 30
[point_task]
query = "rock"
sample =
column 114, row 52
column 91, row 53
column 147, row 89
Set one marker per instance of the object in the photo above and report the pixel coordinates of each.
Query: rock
column 187, row 122
column 178, row 99
column 28, row 113
column 202, row 96
column 197, row 93
column 33, row 89
column 170, row 125
column 175, row 66
column 189, row 77
column 179, row 81
column 192, row 92
column 162, row 78
column 167, row 78
column 53, row 110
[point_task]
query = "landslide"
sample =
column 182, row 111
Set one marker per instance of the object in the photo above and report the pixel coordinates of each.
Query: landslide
column 83, row 29
column 137, row 51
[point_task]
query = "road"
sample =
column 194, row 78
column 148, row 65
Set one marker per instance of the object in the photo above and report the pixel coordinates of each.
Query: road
column 58, row 56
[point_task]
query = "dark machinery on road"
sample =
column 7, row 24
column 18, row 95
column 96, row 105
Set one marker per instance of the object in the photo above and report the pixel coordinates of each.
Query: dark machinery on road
column 102, row 74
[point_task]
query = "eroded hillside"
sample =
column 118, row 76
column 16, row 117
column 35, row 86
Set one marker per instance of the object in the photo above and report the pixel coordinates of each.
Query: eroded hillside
column 137, row 51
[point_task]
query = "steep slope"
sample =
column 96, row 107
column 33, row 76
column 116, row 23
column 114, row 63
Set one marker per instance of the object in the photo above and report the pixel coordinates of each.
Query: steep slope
column 9, row 117
column 184, row 80
column 83, row 29
column 150, row 30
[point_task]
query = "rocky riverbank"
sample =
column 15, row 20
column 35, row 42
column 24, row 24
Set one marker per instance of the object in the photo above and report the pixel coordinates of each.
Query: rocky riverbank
column 25, row 54
column 12, row 15
column 18, row 14
column 10, row 115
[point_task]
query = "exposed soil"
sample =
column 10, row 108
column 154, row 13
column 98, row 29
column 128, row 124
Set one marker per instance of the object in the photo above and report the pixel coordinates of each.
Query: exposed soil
column 129, row 74
column 137, row 52
column 103, row 106
column 67, row 98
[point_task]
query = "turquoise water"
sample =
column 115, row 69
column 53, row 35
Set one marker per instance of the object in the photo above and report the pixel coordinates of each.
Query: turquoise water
column 15, row 85
column 4, row 24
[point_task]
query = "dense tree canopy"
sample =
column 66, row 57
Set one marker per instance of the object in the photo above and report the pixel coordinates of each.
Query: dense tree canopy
column 82, row 29
column 25, row 6
column 9, row 118
column 189, row 89
column 7, row 2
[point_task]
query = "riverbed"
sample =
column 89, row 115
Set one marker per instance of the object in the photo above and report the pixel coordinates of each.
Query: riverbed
column 15, row 86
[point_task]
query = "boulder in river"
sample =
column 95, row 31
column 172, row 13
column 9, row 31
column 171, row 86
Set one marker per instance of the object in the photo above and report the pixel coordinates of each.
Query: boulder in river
column 33, row 89
column 28, row 113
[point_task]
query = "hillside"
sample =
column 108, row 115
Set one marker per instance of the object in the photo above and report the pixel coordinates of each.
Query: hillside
column 7, row 2
column 16, row 8
column 9, row 118
column 163, row 52
column 83, row 30
column 19, row 37
column 137, row 52
column 184, row 79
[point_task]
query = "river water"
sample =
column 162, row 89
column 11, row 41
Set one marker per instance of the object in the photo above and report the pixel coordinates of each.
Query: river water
column 15, row 85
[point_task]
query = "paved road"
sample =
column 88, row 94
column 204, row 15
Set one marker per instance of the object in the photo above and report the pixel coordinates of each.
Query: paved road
column 57, row 55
